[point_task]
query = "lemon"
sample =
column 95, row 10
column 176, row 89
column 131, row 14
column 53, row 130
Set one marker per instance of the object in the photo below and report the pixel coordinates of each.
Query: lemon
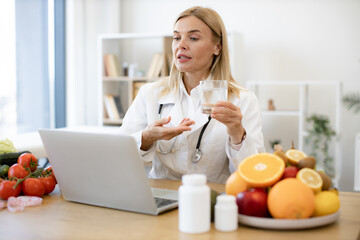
column 311, row 178
column 294, row 156
column 326, row 202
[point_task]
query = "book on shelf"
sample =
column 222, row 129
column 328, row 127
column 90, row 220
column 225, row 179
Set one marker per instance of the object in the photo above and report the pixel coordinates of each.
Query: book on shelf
column 113, row 107
column 160, row 65
column 136, row 87
column 111, row 64
column 118, row 106
column 151, row 72
column 167, row 66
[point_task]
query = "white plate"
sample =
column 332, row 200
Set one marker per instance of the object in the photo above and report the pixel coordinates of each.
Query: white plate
column 271, row 223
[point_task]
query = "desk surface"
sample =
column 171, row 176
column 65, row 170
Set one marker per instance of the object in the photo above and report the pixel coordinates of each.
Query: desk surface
column 59, row 219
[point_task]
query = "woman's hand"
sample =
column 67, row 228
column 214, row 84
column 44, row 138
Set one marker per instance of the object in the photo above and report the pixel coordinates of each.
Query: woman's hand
column 156, row 131
column 230, row 115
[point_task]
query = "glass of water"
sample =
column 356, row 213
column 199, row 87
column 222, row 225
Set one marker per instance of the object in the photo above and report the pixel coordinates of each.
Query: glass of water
column 212, row 91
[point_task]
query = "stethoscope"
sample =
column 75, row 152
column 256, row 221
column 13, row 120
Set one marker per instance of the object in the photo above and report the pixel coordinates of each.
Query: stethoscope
column 198, row 153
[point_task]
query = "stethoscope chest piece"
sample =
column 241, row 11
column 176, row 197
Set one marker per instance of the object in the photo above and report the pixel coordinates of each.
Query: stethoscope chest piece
column 196, row 155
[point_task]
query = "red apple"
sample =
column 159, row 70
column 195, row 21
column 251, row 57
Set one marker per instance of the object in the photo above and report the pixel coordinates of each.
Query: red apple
column 253, row 202
column 290, row 172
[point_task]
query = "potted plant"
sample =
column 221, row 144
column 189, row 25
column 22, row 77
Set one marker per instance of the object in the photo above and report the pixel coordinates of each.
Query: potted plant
column 352, row 101
column 319, row 136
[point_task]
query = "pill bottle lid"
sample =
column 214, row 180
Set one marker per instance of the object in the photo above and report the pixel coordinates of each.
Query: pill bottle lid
column 225, row 199
column 194, row 179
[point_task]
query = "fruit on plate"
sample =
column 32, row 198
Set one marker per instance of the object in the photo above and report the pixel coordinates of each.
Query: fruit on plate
column 294, row 156
column 290, row 172
column 327, row 183
column 281, row 154
column 311, row 178
column 252, row 202
column 261, row 170
column 291, row 199
column 235, row 184
column 307, row 162
column 326, row 202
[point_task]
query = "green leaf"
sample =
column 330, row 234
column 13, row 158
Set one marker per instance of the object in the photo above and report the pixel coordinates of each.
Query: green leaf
column 352, row 102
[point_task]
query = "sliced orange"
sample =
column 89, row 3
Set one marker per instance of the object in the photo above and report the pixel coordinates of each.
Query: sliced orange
column 261, row 170
column 311, row 178
column 294, row 156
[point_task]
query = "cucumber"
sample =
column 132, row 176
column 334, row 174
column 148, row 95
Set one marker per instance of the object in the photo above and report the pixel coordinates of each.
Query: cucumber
column 11, row 158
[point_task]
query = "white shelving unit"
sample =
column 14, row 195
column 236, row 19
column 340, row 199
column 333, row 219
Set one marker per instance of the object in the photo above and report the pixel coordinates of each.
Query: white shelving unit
column 302, row 111
column 138, row 48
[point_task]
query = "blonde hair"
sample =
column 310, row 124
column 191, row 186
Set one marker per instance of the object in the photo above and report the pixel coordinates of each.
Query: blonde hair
column 220, row 68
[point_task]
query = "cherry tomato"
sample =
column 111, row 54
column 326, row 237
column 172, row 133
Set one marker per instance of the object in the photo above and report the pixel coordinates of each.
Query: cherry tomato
column 17, row 171
column 7, row 190
column 49, row 183
column 49, row 170
column 33, row 187
column 27, row 160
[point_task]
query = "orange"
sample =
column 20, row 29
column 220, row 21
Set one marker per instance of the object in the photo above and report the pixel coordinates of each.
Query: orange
column 235, row 184
column 261, row 170
column 294, row 156
column 311, row 178
column 291, row 199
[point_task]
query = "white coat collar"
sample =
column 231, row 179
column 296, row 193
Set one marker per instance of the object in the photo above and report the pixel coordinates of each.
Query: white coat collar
column 176, row 112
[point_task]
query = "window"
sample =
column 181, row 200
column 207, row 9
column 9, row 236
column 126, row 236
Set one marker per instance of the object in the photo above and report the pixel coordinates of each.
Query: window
column 32, row 92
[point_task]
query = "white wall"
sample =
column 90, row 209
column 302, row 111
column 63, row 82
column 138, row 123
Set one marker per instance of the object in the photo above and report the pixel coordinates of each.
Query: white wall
column 85, row 20
column 283, row 40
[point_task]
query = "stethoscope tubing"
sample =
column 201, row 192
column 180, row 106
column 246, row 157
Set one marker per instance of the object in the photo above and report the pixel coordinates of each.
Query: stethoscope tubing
column 198, row 153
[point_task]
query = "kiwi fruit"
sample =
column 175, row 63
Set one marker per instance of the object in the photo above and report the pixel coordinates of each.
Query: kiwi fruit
column 307, row 162
column 282, row 155
column 213, row 196
column 334, row 190
column 326, row 181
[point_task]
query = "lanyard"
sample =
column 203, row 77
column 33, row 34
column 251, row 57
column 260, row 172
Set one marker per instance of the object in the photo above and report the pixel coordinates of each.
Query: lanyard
column 198, row 153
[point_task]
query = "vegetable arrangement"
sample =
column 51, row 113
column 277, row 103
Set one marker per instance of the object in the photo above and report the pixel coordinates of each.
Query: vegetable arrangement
column 25, row 177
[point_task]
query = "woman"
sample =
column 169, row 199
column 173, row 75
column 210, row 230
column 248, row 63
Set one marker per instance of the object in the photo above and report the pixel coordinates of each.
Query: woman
column 165, row 117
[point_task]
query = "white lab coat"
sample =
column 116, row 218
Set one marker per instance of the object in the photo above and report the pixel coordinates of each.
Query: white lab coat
column 219, row 159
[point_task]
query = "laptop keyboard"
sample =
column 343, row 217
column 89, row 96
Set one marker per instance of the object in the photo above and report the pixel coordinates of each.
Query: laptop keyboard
column 160, row 202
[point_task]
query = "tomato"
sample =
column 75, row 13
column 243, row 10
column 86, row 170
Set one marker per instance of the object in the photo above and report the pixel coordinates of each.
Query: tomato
column 17, row 171
column 33, row 187
column 49, row 183
column 7, row 190
column 49, row 170
column 27, row 160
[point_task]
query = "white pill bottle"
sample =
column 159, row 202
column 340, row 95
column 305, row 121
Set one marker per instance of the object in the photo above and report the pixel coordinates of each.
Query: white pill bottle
column 194, row 204
column 226, row 213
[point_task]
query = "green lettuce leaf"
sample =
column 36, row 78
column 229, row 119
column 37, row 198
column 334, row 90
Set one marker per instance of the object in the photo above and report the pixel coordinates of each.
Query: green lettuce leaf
column 6, row 146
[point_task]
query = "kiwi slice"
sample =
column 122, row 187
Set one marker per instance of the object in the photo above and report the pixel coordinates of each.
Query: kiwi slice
column 327, row 183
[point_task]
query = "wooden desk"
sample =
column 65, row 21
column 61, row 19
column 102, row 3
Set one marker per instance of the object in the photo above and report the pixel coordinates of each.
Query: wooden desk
column 59, row 219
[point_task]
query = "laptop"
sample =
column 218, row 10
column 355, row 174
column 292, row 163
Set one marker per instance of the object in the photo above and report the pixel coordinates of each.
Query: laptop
column 104, row 170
